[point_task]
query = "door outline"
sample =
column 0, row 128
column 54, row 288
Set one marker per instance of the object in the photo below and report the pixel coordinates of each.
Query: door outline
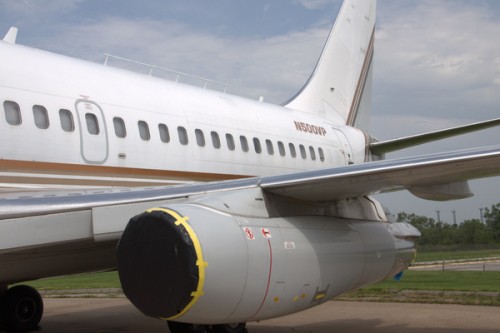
column 346, row 150
column 88, row 142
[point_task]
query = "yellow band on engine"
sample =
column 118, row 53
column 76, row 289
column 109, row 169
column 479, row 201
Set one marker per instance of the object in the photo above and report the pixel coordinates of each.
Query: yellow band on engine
column 202, row 264
column 319, row 296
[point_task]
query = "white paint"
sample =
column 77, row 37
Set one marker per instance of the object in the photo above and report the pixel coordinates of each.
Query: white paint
column 33, row 77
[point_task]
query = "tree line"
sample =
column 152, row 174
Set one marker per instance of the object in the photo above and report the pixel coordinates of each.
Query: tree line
column 469, row 234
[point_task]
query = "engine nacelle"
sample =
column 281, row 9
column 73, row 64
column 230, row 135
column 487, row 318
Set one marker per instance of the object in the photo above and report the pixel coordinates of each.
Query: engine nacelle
column 194, row 264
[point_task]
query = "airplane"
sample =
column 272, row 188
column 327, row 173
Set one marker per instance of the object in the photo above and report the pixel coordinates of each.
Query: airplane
column 215, row 210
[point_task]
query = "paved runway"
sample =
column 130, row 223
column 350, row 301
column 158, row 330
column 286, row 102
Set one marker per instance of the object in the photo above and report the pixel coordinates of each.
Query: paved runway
column 93, row 315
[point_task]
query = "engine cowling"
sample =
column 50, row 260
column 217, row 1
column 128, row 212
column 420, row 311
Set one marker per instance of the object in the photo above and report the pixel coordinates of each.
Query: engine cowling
column 192, row 263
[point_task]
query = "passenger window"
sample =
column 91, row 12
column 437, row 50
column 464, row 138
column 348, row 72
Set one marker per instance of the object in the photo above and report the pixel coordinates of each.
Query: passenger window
column 120, row 129
column 281, row 148
column 215, row 139
column 164, row 134
column 321, row 154
column 67, row 123
column 183, row 136
column 144, row 130
column 270, row 148
column 12, row 113
column 302, row 151
column 257, row 146
column 230, row 142
column 200, row 137
column 92, row 123
column 312, row 152
column 293, row 152
column 244, row 143
column 41, row 117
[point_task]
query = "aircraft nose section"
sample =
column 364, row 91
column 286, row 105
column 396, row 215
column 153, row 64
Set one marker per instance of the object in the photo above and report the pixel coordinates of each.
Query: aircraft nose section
column 157, row 263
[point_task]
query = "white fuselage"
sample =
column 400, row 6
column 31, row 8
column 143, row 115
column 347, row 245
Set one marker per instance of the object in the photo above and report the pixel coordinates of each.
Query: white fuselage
column 67, row 122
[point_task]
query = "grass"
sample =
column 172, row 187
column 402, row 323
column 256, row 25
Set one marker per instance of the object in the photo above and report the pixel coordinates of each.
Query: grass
column 457, row 255
column 449, row 287
column 446, row 287
column 412, row 280
column 458, row 287
column 102, row 280
column 442, row 280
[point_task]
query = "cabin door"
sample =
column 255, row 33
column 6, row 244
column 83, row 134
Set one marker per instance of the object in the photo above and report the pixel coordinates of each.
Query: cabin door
column 93, row 132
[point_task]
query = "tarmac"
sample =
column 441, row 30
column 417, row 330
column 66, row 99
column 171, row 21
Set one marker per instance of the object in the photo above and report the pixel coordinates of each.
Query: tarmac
column 110, row 315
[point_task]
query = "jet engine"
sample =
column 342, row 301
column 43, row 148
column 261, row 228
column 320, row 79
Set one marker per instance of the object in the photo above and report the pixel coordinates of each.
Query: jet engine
column 188, row 262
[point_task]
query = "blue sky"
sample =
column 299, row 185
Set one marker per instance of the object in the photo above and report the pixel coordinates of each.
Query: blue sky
column 437, row 63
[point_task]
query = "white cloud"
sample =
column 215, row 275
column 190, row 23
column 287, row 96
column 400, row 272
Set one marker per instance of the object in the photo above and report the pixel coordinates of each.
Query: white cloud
column 32, row 8
column 315, row 4
column 443, row 50
column 273, row 67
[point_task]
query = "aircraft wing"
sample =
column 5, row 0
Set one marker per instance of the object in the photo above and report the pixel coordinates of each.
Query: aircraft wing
column 437, row 177
column 434, row 173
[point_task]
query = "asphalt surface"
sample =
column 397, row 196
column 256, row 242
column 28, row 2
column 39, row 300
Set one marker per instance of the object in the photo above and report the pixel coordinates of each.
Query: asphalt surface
column 98, row 315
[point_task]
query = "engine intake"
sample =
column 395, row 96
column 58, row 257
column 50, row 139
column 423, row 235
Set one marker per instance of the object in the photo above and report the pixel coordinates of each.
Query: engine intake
column 163, row 240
